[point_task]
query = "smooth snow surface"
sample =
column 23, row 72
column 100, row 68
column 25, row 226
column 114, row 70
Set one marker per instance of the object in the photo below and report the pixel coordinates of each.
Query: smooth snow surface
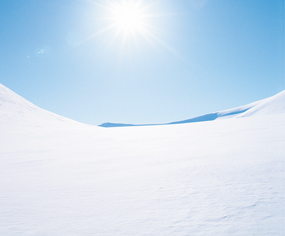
column 14, row 108
column 272, row 105
column 63, row 178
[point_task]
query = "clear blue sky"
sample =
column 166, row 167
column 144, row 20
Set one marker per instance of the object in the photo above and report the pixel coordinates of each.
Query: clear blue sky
column 200, row 56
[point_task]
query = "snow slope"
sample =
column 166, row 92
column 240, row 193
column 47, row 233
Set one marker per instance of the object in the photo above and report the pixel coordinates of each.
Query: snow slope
column 269, row 106
column 14, row 108
column 274, row 104
column 222, row 177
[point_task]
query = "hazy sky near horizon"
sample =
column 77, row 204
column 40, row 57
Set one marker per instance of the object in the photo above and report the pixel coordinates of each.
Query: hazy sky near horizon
column 192, row 57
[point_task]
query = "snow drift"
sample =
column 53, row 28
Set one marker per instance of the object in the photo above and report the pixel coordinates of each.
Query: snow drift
column 269, row 106
column 221, row 177
column 272, row 105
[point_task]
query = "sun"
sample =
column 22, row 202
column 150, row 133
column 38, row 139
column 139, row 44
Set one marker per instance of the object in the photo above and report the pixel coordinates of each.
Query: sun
column 131, row 24
column 129, row 17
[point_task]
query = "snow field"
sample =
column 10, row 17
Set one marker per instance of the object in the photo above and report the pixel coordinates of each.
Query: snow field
column 62, row 178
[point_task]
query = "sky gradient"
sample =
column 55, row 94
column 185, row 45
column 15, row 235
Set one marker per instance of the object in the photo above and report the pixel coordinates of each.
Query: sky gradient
column 201, row 56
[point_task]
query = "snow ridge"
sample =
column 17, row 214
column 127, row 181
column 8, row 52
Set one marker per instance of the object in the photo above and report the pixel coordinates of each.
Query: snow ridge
column 271, row 105
column 15, row 107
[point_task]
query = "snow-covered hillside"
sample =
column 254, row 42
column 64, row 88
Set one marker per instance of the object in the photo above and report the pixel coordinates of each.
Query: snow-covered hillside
column 14, row 108
column 269, row 106
column 223, row 177
column 272, row 105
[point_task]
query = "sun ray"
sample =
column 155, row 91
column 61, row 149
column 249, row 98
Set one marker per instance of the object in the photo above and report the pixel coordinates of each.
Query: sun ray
column 131, row 21
column 165, row 45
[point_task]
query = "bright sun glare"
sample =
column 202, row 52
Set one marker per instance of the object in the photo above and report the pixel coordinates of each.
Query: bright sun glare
column 129, row 17
column 132, row 20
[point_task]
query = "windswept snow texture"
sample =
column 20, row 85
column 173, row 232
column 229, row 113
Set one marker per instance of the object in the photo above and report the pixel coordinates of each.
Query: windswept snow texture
column 222, row 177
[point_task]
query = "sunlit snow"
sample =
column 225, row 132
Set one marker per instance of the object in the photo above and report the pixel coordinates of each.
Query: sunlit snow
column 221, row 177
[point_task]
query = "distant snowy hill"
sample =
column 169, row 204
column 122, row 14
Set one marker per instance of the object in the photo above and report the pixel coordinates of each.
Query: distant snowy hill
column 224, row 177
column 15, row 107
column 272, row 105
